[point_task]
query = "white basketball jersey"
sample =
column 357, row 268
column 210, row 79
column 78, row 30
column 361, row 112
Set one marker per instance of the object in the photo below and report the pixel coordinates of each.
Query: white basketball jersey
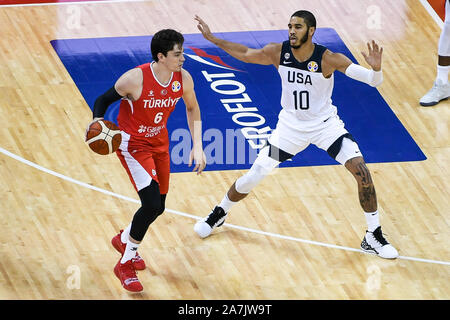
column 305, row 92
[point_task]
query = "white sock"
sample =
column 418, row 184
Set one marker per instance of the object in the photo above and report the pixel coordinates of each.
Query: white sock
column 125, row 234
column 226, row 203
column 373, row 220
column 442, row 74
column 130, row 251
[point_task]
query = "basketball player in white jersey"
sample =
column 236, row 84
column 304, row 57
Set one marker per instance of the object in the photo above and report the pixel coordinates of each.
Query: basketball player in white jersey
column 307, row 117
column 441, row 88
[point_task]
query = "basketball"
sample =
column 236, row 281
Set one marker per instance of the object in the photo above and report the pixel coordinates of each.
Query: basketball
column 103, row 137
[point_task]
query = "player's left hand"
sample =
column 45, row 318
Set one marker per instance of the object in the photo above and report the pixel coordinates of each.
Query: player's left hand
column 199, row 158
column 373, row 58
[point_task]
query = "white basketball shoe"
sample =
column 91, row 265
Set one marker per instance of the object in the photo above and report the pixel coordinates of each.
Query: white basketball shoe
column 437, row 93
column 215, row 219
column 375, row 243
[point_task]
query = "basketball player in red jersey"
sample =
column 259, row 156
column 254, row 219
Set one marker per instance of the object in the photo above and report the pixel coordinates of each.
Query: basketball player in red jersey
column 149, row 94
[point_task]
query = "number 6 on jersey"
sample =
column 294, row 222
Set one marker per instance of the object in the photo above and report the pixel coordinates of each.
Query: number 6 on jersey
column 158, row 117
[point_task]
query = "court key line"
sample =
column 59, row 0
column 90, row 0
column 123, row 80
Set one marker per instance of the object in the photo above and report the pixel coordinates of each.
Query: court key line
column 274, row 235
column 432, row 13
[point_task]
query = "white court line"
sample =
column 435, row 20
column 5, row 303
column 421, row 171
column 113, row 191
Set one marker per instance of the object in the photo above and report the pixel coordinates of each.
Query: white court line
column 274, row 235
column 67, row 3
column 432, row 13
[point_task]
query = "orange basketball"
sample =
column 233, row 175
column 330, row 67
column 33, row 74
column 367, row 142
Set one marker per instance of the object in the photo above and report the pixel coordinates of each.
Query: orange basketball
column 103, row 137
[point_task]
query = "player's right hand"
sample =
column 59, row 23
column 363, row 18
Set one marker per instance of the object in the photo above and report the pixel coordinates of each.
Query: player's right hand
column 87, row 128
column 199, row 158
column 203, row 27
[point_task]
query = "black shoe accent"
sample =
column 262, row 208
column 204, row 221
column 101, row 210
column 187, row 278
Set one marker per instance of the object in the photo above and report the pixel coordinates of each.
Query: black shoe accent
column 379, row 236
column 217, row 214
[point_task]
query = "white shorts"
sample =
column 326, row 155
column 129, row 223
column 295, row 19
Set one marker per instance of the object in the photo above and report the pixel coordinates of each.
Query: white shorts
column 293, row 141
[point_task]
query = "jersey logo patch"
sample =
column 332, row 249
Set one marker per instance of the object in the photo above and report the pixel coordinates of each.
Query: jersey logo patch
column 287, row 55
column 313, row 66
column 176, row 86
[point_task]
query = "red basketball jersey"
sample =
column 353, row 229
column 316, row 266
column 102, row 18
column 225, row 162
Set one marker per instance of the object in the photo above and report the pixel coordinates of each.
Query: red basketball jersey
column 145, row 119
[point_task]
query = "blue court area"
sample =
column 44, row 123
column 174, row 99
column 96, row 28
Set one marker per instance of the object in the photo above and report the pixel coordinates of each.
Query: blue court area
column 239, row 102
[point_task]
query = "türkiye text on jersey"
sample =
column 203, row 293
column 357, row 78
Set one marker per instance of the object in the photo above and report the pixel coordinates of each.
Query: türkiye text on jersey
column 160, row 103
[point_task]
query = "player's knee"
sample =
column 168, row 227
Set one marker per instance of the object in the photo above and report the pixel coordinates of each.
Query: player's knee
column 246, row 183
column 360, row 171
column 151, row 200
column 263, row 165
column 249, row 180
column 162, row 207
column 152, row 205
column 344, row 149
column 152, row 209
column 142, row 219
column 160, row 210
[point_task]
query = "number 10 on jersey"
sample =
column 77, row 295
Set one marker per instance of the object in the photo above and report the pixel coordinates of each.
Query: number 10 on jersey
column 301, row 100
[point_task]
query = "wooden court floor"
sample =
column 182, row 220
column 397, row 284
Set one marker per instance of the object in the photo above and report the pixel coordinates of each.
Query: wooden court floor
column 57, row 220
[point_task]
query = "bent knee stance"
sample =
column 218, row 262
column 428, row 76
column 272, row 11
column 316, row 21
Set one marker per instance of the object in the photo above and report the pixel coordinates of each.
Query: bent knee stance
column 150, row 209
column 249, row 180
column 262, row 166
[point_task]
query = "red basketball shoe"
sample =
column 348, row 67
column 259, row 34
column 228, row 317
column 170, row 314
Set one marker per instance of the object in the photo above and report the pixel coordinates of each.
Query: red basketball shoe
column 127, row 276
column 138, row 262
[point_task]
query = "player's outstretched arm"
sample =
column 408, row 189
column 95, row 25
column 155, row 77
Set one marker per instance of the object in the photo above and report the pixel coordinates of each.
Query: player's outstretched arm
column 195, row 123
column 269, row 54
column 373, row 77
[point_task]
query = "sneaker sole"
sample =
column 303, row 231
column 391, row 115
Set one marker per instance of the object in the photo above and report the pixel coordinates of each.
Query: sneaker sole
column 370, row 251
column 430, row 104
column 116, row 272
column 374, row 252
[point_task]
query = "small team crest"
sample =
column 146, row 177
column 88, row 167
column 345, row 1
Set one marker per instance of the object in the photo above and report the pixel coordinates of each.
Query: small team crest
column 163, row 92
column 176, row 86
column 313, row 66
column 287, row 55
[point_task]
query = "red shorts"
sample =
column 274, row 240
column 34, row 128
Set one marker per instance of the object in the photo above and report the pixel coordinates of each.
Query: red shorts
column 144, row 164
